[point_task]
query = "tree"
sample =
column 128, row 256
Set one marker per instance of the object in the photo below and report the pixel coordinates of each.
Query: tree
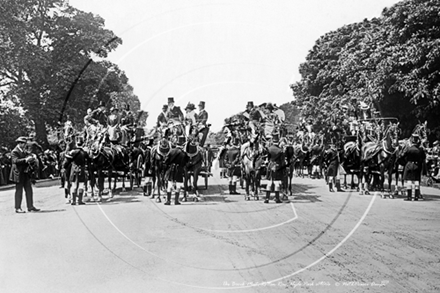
column 51, row 60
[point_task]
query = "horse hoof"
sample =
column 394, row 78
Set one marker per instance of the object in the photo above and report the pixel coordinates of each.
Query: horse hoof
column 367, row 193
column 257, row 198
column 158, row 199
column 248, row 198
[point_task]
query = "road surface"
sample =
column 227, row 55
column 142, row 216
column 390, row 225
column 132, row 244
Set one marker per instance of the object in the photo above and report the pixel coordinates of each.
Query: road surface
column 316, row 242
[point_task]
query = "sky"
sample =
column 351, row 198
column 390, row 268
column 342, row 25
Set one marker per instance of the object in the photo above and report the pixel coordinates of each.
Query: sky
column 222, row 52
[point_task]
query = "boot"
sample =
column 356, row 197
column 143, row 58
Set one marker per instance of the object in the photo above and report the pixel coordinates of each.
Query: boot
column 338, row 186
column 234, row 189
column 168, row 202
column 408, row 194
column 330, row 186
column 267, row 197
column 416, row 194
column 176, row 198
column 277, row 197
column 73, row 198
column 149, row 188
column 230, row 189
column 80, row 197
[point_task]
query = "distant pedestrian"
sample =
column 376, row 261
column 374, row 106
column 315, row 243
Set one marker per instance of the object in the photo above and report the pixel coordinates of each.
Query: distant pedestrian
column 21, row 173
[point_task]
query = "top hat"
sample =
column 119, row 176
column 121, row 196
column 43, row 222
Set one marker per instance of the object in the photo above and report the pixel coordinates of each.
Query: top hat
column 165, row 107
column 190, row 106
column 101, row 104
column 21, row 139
column 202, row 103
column 250, row 104
column 170, row 100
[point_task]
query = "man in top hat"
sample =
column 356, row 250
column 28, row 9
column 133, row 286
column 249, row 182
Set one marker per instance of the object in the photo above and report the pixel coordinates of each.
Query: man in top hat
column 99, row 114
column 174, row 112
column 276, row 168
column 162, row 118
column 202, row 123
column 415, row 166
column 128, row 120
column 21, row 175
column 254, row 116
column 190, row 118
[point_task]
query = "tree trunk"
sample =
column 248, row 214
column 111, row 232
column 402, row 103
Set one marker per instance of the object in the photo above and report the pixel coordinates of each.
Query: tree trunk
column 40, row 133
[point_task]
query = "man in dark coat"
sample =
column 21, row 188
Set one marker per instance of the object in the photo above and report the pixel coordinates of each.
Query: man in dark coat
column 232, row 163
column 174, row 112
column 175, row 163
column 21, row 175
column 332, row 161
column 202, row 123
column 276, row 168
column 416, row 164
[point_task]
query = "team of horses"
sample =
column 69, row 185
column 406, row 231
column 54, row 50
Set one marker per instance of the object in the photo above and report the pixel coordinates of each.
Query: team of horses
column 94, row 154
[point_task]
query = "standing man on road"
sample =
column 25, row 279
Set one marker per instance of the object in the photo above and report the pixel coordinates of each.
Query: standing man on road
column 415, row 166
column 21, row 175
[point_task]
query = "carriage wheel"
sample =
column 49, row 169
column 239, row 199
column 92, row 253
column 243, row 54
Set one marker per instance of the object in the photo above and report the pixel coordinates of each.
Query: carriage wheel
column 138, row 172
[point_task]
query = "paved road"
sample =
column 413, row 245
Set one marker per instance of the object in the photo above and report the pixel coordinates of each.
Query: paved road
column 316, row 242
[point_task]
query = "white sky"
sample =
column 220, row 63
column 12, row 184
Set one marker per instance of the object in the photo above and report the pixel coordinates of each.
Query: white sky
column 223, row 52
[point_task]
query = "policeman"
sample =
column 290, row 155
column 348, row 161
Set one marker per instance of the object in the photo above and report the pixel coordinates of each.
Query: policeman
column 276, row 168
column 415, row 166
column 174, row 112
column 233, row 165
column 202, row 123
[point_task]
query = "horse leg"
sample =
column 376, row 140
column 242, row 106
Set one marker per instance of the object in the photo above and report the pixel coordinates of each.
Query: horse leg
column 110, row 190
column 196, row 177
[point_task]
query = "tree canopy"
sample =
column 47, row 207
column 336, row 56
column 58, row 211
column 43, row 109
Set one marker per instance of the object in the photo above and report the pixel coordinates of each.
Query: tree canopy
column 391, row 62
column 52, row 61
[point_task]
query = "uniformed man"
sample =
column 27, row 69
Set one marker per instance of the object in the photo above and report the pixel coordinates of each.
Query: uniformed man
column 276, row 168
column 175, row 163
column 415, row 166
column 232, row 163
column 174, row 112
column 332, row 161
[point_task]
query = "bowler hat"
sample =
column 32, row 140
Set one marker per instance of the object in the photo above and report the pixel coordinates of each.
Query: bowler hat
column 202, row 103
column 21, row 139
column 171, row 100
column 250, row 104
column 165, row 107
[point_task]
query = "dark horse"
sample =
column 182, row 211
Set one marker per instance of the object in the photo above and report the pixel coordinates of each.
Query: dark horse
column 194, row 165
column 158, row 155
